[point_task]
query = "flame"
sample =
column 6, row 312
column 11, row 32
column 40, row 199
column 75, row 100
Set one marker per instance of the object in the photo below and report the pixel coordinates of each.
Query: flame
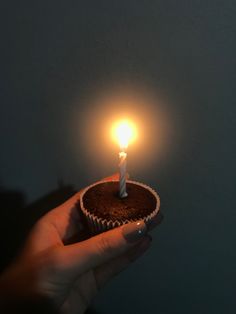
column 124, row 132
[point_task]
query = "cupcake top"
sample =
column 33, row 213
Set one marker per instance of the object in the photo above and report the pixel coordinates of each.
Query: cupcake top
column 104, row 202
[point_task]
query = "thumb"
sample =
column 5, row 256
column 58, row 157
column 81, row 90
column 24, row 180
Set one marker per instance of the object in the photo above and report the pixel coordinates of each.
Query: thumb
column 78, row 258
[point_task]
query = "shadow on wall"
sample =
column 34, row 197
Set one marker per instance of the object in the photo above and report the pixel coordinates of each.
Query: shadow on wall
column 16, row 219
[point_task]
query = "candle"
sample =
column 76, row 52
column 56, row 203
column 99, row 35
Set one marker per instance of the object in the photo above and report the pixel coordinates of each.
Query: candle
column 124, row 132
column 122, row 179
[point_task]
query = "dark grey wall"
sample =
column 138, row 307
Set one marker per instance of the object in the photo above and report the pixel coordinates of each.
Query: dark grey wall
column 53, row 50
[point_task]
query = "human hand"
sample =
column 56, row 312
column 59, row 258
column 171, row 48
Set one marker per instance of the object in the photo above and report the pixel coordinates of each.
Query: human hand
column 70, row 275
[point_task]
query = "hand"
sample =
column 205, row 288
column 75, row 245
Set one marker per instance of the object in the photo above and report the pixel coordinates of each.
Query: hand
column 70, row 275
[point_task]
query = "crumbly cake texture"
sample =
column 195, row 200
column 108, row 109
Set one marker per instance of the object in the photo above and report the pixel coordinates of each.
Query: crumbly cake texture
column 103, row 201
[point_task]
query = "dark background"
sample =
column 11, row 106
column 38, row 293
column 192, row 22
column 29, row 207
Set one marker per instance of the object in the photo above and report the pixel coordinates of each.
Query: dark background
column 50, row 52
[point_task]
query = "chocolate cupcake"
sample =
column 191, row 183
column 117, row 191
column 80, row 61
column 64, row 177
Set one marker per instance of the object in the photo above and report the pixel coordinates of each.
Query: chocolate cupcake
column 104, row 209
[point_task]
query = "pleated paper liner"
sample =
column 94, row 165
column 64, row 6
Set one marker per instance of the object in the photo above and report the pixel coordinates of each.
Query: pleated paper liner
column 97, row 225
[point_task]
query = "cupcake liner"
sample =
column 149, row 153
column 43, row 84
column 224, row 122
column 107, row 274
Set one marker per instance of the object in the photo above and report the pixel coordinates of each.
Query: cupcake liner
column 98, row 225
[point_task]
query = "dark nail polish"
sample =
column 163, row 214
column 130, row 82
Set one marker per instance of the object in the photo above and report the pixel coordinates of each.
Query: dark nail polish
column 134, row 231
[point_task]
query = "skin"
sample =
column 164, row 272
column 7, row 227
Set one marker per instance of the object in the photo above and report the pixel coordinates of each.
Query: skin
column 69, row 273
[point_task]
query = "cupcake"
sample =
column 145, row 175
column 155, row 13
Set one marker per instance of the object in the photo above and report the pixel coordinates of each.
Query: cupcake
column 104, row 209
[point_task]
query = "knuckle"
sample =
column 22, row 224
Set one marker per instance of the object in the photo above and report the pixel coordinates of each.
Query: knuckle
column 105, row 246
column 53, row 261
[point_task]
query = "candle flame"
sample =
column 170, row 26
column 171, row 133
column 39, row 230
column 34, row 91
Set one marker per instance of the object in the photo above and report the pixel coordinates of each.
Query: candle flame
column 124, row 132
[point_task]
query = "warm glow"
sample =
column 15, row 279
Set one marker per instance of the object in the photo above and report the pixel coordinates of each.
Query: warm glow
column 124, row 132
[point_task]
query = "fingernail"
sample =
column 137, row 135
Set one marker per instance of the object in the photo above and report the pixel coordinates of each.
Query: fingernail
column 134, row 231
column 151, row 224
column 140, row 249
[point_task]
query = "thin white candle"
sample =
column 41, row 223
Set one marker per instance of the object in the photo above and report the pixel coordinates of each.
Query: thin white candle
column 124, row 131
column 122, row 181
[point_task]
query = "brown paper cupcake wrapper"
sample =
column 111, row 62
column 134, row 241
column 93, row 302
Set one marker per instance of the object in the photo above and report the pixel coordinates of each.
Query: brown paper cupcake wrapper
column 98, row 225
